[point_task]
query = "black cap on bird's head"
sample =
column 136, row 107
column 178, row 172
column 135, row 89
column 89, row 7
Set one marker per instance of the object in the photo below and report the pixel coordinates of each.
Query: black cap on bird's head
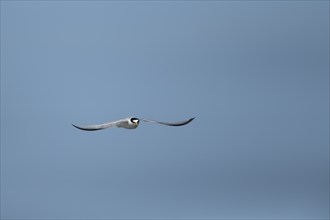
column 135, row 120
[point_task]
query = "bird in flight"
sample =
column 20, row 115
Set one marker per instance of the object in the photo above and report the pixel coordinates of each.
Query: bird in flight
column 129, row 123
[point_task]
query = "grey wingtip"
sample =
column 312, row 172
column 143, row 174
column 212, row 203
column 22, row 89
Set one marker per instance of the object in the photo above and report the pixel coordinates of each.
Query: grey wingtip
column 181, row 123
column 80, row 128
column 86, row 128
column 76, row 126
column 191, row 119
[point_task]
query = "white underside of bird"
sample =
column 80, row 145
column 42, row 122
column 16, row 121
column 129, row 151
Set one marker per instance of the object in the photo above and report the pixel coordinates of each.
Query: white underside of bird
column 129, row 123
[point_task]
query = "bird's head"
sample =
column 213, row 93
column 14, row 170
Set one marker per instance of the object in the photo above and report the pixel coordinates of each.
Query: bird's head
column 135, row 121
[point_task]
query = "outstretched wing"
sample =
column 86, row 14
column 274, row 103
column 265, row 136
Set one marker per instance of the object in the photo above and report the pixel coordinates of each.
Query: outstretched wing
column 179, row 123
column 113, row 124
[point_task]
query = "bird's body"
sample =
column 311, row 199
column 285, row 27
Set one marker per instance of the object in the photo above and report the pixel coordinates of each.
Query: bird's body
column 128, row 123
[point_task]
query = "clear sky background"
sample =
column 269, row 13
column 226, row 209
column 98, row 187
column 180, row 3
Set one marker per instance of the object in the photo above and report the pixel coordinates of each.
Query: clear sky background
column 254, row 74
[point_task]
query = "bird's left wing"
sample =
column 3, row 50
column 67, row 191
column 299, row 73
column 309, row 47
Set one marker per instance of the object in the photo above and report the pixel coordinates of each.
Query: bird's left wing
column 112, row 124
column 179, row 123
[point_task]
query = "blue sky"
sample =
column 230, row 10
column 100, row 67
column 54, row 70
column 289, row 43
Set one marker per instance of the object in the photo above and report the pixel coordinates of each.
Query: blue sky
column 254, row 74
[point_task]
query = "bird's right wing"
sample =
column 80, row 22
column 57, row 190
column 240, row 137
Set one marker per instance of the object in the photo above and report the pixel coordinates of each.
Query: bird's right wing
column 113, row 124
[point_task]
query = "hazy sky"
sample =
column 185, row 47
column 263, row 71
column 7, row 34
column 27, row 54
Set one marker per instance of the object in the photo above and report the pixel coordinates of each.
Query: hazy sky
column 254, row 74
